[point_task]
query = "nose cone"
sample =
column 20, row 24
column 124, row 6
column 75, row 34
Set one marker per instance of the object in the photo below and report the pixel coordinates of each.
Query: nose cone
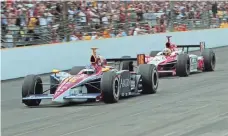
column 66, row 85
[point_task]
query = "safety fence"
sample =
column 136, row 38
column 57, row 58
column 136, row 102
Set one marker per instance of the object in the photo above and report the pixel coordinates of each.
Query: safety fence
column 72, row 28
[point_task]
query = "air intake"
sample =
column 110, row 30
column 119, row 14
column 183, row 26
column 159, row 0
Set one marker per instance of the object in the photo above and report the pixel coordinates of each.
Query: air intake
column 92, row 59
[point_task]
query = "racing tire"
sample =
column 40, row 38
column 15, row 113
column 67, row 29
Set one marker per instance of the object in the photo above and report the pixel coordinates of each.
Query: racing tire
column 150, row 78
column 154, row 53
column 110, row 86
column 32, row 85
column 75, row 70
column 127, row 65
column 209, row 59
column 183, row 65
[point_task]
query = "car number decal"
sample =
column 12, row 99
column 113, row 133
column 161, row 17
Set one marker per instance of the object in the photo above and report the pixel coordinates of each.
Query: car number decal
column 71, row 79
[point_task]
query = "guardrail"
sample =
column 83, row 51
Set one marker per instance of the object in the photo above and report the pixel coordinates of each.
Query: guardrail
column 19, row 62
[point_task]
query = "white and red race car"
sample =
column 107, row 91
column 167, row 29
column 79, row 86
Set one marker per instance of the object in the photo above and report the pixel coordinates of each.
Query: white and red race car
column 175, row 61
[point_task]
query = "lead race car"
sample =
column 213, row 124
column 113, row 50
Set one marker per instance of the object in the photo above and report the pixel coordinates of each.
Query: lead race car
column 96, row 82
column 173, row 60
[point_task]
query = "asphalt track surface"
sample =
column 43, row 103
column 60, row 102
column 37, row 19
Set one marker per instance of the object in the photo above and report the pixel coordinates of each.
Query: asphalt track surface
column 192, row 106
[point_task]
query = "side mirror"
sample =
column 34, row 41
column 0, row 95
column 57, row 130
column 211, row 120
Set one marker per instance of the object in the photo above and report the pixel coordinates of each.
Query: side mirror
column 55, row 71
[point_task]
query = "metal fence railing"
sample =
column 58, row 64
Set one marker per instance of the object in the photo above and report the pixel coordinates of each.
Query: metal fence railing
column 67, row 28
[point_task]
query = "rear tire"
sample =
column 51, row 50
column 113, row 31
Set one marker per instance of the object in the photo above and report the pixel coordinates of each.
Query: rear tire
column 183, row 65
column 209, row 59
column 75, row 70
column 32, row 85
column 150, row 78
column 154, row 53
column 110, row 86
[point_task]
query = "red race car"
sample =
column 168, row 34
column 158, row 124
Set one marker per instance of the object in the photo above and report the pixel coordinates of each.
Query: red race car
column 96, row 82
column 174, row 60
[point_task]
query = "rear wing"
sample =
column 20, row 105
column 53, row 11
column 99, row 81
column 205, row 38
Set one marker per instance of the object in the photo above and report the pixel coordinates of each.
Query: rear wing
column 121, row 59
column 140, row 59
column 201, row 46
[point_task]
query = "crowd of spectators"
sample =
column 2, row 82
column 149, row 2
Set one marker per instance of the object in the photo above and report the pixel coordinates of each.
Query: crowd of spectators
column 89, row 20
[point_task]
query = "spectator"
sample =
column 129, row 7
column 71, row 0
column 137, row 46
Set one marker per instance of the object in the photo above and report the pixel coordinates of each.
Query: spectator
column 224, row 24
column 107, row 19
column 94, row 36
column 4, row 21
column 99, row 36
column 31, row 26
column 9, row 39
column 81, row 16
column 214, row 9
column 87, row 36
column 106, row 34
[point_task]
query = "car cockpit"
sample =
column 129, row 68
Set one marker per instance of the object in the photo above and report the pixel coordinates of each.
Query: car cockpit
column 88, row 71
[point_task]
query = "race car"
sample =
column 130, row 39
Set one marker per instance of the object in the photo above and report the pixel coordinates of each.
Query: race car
column 173, row 60
column 97, row 82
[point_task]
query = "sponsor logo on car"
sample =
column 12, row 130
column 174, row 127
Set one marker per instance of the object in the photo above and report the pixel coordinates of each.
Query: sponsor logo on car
column 125, row 82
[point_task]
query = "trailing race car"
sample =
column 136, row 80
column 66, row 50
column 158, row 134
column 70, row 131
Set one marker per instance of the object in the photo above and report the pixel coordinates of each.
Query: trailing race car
column 96, row 82
column 175, row 61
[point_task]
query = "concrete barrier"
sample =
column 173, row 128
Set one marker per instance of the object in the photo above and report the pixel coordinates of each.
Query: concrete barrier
column 19, row 62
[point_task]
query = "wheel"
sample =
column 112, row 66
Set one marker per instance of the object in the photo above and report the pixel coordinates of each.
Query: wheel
column 149, row 78
column 75, row 70
column 127, row 65
column 110, row 87
column 209, row 59
column 32, row 85
column 183, row 65
column 154, row 53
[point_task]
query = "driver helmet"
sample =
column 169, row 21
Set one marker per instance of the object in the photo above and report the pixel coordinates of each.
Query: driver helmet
column 167, row 52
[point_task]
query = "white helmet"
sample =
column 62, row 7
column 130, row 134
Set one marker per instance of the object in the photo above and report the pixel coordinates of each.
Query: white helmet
column 167, row 52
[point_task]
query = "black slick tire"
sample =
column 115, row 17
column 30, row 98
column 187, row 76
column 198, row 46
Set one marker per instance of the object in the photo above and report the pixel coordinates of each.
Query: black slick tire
column 110, row 87
column 183, row 65
column 209, row 60
column 150, row 78
column 32, row 85
column 75, row 70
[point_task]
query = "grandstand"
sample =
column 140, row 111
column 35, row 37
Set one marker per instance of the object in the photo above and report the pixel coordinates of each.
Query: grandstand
column 26, row 23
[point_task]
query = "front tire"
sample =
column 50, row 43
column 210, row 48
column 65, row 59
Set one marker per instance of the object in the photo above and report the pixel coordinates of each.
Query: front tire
column 150, row 79
column 110, row 86
column 32, row 85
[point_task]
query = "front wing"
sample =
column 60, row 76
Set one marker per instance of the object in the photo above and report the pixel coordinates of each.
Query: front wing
column 50, row 96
